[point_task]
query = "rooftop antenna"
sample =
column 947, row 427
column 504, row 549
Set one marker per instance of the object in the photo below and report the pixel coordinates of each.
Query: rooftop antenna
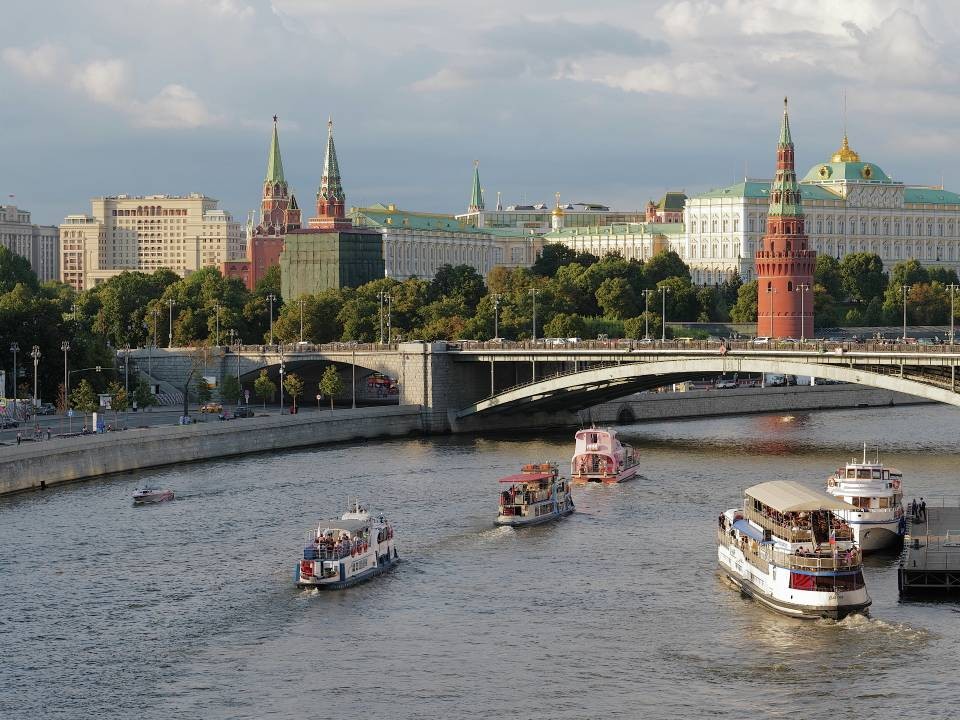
column 878, row 453
column 844, row 112
column 864, row 453
column 499, row 205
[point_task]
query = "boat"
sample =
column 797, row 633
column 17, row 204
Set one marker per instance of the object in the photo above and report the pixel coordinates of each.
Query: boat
column 789, row 549
column 876, row 492
column 348, row 550
column 601, row 457
column 536, row 495
column 150, row 495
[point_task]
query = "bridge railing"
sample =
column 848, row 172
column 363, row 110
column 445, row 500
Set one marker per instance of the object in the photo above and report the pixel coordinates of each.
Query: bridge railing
column 813, row 345
column 289, row 348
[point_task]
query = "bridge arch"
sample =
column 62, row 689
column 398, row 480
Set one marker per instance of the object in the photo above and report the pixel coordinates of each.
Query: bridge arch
column 579, row 390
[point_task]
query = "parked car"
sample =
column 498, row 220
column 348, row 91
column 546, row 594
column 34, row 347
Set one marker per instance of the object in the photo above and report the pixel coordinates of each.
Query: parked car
column 723, row 384
column 6, row 422
column 243, row 411
column 211, row 407
column 46, row 409
column 762, row 340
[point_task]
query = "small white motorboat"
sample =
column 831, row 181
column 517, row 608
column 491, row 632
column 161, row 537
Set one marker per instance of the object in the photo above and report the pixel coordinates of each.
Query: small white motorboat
column 151, row 495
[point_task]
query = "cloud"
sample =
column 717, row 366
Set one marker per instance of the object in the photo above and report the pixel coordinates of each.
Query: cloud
column 107, row 82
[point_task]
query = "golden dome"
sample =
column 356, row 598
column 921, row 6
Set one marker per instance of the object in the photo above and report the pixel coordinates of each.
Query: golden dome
column 845, row 154
column 557, row 211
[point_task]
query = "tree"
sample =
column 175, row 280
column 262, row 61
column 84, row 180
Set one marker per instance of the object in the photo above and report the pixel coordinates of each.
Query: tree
column 636, row 327
column 942, row 275
column 462, row 282
column 294, row 386
column 142, row 394
column 553, row 256
column 15, row 270
column 203, row 390
column 681, row 301
column 828, row 275
column 908, row 272
column 745, row 309
column 118, row 396
column 665, row 264
column 617, row 298
column 563, row 325
column 264, row 387
column 83, row 397
column 824, row 312
column 230, row 390
column 330, row 383
column 863, row 277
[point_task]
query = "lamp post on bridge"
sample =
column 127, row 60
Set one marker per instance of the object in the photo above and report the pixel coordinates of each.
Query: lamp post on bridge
column 65, row 346
column 301, row 302
column 905, row 289
column 496, row 315
column 170, row 304
column 953, row 287
column 35, row 354
column 533, row 292
column 271, row 297
column 802, row 289
column 217, row 335
column 663, row 313
column 646, row 312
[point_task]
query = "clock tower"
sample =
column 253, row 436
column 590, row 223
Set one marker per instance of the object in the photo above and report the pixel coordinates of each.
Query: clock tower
column 784, row 262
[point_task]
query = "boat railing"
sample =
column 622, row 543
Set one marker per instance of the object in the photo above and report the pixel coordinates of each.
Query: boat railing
column 792, row 533
column 761, row 555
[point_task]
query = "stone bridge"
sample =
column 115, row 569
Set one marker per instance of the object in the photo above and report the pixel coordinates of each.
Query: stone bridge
column 467, row 386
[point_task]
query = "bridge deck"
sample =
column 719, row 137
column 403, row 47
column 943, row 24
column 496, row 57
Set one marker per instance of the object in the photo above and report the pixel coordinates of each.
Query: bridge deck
column 931, row 558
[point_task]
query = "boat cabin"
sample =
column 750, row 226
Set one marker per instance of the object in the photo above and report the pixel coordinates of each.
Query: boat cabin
column 338, row 539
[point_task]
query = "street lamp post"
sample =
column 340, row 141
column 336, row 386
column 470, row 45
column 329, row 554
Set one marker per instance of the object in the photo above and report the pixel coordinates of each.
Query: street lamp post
column 533, row 292
column 905, row 289
column 770, row 291
column 301, row 301
column 281, row 377
column 496, row 315
column 217, row 308
column 803, row 289
column 14, row 348
column 953, row 287
column 271, row 297
column 170, row 303
column 663, row 313
column 126, row 379
column 381, row 296
column 646, row 313
column 389, row 318
column 65, row 346
column 35, row 354
column 237, row 347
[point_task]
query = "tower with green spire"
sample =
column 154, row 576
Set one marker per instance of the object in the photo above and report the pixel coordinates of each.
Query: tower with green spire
column 784, row 262
column 476, row 192
column 278, row 208
column 331, row 199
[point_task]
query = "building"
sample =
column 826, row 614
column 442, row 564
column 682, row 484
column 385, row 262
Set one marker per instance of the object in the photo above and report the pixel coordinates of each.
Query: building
column 784, row 262
column 851, row 206
column 331, row 199
column 668, row 210
column 39, row 244
column 632, row 241
column 279, row 213
column 538, row 217
column 416, row 244
column 181, row 232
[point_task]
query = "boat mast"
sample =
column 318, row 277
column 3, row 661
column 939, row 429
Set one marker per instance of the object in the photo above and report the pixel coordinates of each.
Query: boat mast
column 864, row 453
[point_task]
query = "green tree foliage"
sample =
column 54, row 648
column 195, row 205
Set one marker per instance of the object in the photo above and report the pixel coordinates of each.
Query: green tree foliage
column 553, row 256
column 142, row 395
column 908, row 272
column 617, row 298
column 665, row 264
column 264, row 387
column 828, row 275
column 863, row 277
column 119, row 400
column 681, row 300
column 636, row 328
column 563, row 325
column 84, row 398
column 462, row 283
column 230, row 390
column 330, row 383
column 203, row 390
column 824, row 308
column 293, row 384
column 745, row 309
column 942, row 275
column 15, row 270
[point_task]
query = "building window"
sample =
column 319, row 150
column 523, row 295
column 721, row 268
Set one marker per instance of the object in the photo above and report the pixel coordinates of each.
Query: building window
column 736, row 224
column 750, row 224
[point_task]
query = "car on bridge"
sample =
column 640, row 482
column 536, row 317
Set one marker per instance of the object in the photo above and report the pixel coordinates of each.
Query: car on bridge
column 762, row 340
column 243, row 411
column 47, row 409
column 725, row 384
column 211, row 407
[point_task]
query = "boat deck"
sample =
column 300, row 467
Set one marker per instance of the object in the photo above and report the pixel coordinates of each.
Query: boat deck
column 931, row 555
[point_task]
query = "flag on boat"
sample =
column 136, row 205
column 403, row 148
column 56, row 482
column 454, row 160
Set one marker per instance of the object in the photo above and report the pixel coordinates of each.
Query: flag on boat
column 833, row 536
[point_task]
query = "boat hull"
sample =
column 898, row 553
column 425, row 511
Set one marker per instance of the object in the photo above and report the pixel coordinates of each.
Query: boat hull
column 154, row 498
column 514, row 521
column 360, row 577
column 624, row 475
column 871, row 537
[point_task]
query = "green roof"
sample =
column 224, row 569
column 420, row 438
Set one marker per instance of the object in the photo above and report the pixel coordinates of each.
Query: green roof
column 761, row 189
column 274, row 162
column 863, row 172
column 389, row 216
column 476, row 192
column 930, row 196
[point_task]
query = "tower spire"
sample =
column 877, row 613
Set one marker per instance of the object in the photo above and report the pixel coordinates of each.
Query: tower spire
column 476, row 192
column 274, row 162
column 331, row 198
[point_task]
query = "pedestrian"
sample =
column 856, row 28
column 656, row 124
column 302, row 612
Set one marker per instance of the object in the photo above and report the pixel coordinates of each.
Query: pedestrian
column 923, row 509
column 49, row 433
column 19, row 438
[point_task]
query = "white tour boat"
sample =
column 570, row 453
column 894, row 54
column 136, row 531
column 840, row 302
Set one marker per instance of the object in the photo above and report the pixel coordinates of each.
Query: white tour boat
column 346, row 551
column 789, row 549
column 536, row 495
column 876, row 493
column 151, row 495
column 601, row 457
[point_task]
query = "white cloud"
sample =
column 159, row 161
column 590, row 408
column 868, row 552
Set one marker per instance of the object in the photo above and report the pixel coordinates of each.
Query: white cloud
column 107, row 82
column 41, row 63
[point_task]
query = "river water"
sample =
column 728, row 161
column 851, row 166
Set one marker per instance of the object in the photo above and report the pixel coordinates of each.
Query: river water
column 187, row 609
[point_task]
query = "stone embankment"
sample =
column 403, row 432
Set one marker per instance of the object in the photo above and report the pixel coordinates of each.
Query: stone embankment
column 42, row 464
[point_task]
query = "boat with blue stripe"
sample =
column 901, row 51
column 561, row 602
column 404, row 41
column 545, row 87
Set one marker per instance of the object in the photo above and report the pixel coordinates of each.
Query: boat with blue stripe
column 346, row 551
column 788, row 549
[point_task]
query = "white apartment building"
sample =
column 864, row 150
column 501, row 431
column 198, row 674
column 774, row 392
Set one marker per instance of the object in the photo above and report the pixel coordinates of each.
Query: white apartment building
column 416, row 244
column 39, row 244
column 146, row 233
column 850, row 206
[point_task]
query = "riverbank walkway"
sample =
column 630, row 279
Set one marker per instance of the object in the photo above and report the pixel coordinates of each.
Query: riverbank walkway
column 931, row 556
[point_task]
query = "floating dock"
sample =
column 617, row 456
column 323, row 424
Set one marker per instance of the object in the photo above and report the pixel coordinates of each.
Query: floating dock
column 930, row 563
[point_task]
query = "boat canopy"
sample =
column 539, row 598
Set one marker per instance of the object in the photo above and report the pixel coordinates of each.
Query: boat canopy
column 789, row 496
column 527, row 477
column 350, row 526
column 749, row 530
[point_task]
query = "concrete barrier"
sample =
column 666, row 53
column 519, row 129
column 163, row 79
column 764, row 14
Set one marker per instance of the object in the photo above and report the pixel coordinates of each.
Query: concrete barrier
column 51, row 463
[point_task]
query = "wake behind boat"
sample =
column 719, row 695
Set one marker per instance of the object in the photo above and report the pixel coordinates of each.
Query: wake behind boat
column 346, row 551
column 151, row 495
column 876, row 492
column 601, row 457
column 789, row 550
column 536, row 495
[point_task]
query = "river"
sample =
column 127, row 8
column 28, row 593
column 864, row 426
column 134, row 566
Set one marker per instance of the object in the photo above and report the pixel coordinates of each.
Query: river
column 187, row 609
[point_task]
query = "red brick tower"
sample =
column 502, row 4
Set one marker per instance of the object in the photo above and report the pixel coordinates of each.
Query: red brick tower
column 278, row 208
column 784, row 263
column 331, row 199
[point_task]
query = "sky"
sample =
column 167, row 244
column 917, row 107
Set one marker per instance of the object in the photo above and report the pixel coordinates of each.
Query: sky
column 611, row 101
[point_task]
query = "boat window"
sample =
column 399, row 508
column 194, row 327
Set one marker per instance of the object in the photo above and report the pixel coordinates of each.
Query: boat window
column 884, row 502
column 876, row 474
column 863, row 474
column 860, row 502
column 851, row 473
column 886, row 474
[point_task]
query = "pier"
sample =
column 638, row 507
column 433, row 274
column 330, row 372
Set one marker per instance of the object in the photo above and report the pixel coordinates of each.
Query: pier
column 931, row 555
